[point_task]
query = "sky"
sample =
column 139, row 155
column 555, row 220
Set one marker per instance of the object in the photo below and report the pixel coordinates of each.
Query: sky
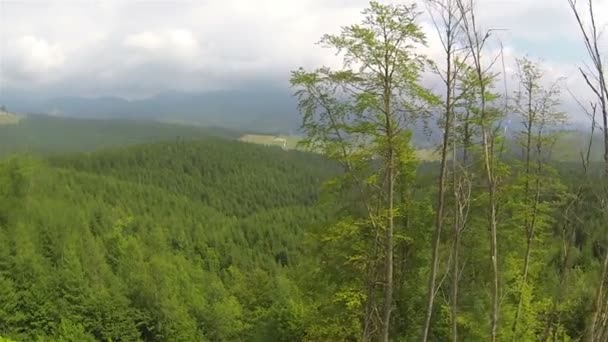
column 137, row 48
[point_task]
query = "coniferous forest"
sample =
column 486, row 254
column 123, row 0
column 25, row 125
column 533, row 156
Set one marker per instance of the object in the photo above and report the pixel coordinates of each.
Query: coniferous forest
column 126, row 231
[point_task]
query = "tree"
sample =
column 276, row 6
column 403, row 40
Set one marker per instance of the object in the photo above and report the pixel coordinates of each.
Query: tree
column 486, row 118
column 358, row 116
column 536, row 105
column 449, row 29
column 596, row 81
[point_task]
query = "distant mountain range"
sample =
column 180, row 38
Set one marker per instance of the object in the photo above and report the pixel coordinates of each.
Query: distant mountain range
column 254, row 109
column 263, row 109
column 260, row 109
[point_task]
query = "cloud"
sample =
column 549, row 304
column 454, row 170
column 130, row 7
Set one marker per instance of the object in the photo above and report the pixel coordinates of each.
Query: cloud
column 137, row 48
column 178, row 41
column 175, row 47
column 34, row 59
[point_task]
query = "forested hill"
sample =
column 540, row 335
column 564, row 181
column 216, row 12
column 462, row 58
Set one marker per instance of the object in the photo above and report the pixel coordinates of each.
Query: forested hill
column 163, row 242
column 42, row 134
column 233, row 177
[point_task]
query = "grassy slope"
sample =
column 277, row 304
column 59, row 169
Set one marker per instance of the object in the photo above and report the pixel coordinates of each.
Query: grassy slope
column 8, row 118
column 291, row 140
column 426, row 154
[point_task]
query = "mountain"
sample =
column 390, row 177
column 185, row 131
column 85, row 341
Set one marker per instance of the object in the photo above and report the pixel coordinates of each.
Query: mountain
column 253, row 109
column 261, row 109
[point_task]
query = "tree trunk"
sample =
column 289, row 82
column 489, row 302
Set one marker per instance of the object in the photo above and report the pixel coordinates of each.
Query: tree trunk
column 598, row 298
column 530, row 223
column 388, row 262
column 370, row 305
column 455, row 276
column 493, row 229
column 388, row 292
column 494, row 253
column 440, row 205
column 605, row 150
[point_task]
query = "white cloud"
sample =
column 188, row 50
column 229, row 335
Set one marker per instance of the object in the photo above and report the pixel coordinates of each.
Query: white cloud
column 120, row 47
column 178, row 47
column 32, row 59
column 177, row 40
column 39, row 56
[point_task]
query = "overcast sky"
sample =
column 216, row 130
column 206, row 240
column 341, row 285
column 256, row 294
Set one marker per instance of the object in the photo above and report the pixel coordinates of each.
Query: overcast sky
column 136, row 48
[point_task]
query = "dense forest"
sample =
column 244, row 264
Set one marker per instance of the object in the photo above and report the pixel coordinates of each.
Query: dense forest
column 136, row 231
column 183, row 241
column 42, row 134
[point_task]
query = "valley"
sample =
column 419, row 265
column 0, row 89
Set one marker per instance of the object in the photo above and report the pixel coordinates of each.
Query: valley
column 264, row 171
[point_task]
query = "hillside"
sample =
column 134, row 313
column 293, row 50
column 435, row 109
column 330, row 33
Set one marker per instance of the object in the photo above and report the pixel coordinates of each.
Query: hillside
column 7, row 118
column 567, row 147
column 232, row 177
column 158, row 242
column 45, row 134
column 570, row 145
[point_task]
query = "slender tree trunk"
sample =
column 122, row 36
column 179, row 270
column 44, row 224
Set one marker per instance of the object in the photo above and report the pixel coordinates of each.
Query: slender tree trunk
column 388, row 292
column 488, row 160
column 494, row 255
column 604, row 94
column 370, row 305
column 488, row 156
column 530, row 223
column 605, row 149
column 476, row 45
column 369, row 309
column 591, row 39
column 466, row 143
column 523, row 283
column 459, row 222
column 527, row 258
column 567, row 238
column 491, row 183
column 440, row 202
column 455, row 276
column 598, row 298
column 388, row 263
column 603, row 328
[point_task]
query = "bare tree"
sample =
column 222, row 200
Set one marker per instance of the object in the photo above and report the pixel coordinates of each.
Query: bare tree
column 447, row 20
column 596, row 81
column 462, row 185
column 594, row 75
column 487, row 116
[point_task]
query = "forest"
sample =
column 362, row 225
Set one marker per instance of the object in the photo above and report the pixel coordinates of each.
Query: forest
column 157, row 242
column 132, row 231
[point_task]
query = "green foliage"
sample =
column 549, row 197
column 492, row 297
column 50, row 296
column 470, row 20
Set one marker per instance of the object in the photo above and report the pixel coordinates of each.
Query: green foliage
column 118, row 245
column 72, row 332
column 358, row 116
column 187, row 238
column 146, row 243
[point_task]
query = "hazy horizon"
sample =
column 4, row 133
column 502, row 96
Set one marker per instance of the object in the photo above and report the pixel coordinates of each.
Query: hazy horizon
column 138, row 49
